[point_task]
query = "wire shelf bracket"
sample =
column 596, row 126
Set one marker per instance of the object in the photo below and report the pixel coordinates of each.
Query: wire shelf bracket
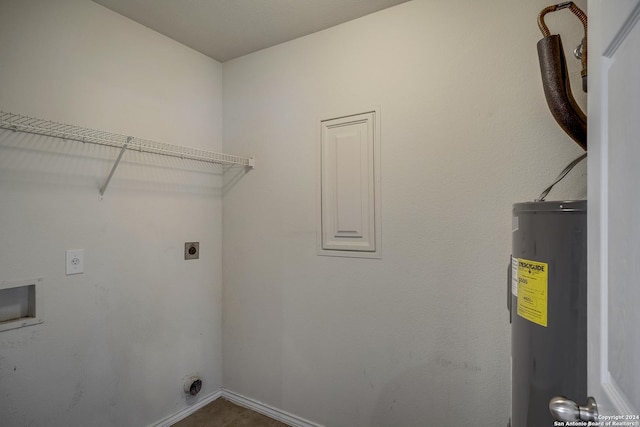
column 114, row 167
column 26, row 124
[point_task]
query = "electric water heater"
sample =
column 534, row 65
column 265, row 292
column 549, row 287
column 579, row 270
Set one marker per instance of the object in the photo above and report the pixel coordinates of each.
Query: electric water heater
column 547, row 301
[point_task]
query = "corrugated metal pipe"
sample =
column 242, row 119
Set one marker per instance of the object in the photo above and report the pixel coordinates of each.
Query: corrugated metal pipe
column 555, row 77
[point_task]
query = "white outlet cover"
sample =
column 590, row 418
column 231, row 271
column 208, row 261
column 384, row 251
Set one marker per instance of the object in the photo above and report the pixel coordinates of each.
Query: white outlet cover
column 75, row 261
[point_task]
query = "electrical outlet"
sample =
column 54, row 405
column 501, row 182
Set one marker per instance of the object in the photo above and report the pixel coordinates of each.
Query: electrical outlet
column 75, row 261
column 192, row 250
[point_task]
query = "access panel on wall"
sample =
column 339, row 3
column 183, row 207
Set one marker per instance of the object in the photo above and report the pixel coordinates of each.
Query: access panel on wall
column 349, row 193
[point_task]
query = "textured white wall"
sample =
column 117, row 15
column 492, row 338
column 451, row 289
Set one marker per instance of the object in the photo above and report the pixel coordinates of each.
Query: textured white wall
column 119, row 339
column 420, row 337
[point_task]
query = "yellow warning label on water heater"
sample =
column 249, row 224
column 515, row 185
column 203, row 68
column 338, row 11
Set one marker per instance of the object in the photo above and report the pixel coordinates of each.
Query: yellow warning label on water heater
column 532, row 291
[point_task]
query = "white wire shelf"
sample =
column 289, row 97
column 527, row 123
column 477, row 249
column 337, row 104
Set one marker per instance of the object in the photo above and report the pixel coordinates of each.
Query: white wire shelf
column 21, row 123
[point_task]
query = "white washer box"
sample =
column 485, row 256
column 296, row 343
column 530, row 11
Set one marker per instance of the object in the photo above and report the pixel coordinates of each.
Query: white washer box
column 20, row 303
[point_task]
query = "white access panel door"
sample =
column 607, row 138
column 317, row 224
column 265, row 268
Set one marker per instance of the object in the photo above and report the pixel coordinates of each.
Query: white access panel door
column 614, row 208
column 348, row 186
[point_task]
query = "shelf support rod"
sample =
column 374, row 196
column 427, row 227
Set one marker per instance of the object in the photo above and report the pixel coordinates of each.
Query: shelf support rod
column 115, row 165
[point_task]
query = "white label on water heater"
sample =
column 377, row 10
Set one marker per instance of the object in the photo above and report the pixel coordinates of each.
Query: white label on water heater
column 514, row 276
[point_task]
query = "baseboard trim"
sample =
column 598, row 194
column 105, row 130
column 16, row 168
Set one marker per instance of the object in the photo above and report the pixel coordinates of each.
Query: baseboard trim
column 269, row 411
column 172, row 419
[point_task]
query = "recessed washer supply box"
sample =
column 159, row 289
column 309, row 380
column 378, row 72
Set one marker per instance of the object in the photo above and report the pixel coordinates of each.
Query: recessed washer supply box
column 20, row 303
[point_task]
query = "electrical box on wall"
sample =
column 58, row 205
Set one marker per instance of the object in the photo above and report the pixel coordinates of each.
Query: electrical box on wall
column 192, row 250
column 20, row 304
column 349, row 186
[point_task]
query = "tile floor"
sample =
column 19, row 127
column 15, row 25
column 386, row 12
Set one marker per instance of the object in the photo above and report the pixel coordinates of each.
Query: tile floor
column 222, row 413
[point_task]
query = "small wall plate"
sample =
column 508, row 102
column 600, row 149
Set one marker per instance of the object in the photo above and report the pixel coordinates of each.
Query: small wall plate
column 192, row 250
